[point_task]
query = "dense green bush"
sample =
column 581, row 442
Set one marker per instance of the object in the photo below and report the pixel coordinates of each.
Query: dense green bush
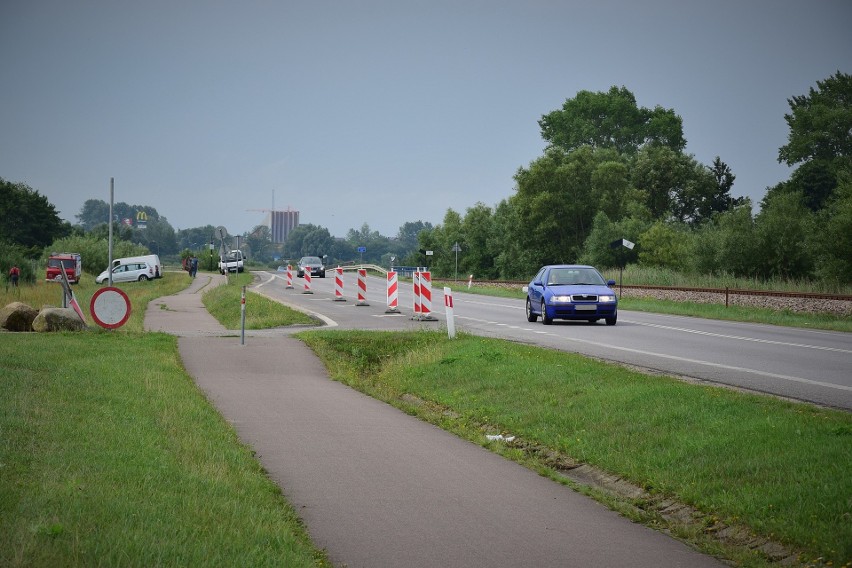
column 94, row 251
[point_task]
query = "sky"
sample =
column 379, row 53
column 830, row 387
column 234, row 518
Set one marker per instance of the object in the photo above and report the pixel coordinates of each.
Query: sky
column 378, row 111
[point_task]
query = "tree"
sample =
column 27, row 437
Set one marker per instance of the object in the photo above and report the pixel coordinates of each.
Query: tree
column 308, row 240
column 477, row 255
column 832, row 244
column 664, row 245
column 258, row 242
column 781, row 230
column 407, row 235
column 556, row 204
column 611, row 120
column 27, row 218
column 820, row 122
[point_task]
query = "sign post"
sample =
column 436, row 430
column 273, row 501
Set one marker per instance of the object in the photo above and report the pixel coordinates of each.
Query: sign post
column 243, row 317
column 621, row 244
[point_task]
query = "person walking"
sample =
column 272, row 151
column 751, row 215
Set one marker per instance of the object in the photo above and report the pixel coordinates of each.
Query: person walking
column 193, row 266
column 14, row 275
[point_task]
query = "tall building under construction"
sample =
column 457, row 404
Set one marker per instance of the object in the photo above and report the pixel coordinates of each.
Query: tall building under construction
column 281, row 223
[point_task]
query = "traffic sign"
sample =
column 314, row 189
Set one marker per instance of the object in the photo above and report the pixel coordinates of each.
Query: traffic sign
column 110, row 307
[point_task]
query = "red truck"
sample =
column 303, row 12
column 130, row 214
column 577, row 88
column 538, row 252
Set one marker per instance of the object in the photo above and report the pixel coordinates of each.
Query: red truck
column 70, row 261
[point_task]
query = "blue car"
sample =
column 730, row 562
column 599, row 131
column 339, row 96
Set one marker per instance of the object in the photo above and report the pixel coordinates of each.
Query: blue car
column 571, row 292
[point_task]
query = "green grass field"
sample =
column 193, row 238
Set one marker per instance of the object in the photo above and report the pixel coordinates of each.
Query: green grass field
column 111, row 456
column 777, row 468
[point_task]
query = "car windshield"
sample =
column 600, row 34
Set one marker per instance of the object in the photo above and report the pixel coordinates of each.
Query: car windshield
column 574, row 277
column 311, row 260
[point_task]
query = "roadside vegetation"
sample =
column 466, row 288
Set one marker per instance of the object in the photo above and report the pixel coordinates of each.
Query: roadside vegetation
column 223, row 302
column 111, row 456
column 749, row 464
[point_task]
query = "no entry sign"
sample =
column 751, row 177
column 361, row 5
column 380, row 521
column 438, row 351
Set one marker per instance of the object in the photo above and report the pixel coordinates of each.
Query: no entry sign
column 110, row 307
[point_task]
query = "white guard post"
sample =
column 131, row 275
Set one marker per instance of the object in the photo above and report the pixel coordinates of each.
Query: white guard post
column 448, row 307
column 289, row 277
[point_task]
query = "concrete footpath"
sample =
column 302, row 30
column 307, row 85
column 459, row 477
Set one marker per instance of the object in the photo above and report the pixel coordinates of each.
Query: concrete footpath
column 376, row 487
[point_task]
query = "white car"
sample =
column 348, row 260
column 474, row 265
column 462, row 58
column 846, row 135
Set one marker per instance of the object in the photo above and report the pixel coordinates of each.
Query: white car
column 128, row 272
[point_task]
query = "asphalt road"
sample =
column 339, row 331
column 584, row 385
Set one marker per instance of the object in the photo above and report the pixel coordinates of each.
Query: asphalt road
column 801, row 364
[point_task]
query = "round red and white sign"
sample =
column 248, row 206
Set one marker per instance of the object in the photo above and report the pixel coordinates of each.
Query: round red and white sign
column 110, row 307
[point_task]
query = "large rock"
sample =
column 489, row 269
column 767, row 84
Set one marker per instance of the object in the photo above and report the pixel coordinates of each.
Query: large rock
column 17, row 316
column 58, row 319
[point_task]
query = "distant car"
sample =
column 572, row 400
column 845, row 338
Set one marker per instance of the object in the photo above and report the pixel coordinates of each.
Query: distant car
column 312, row 264
column 571, row 292
column 128, row 272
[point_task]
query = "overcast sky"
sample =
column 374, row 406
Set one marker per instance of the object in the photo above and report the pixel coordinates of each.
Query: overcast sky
column 378, row 111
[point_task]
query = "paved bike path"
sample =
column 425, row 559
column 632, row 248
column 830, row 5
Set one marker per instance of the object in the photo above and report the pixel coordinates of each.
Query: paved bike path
column 376, row 487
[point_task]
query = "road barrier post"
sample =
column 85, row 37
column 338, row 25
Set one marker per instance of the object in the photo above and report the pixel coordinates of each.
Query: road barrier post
column 289, row 278
column 426, row 297
column 393, row 294
column 448, row 307
column 362, row 287
column 307, row 289
column 338, row 285
column 416, row 280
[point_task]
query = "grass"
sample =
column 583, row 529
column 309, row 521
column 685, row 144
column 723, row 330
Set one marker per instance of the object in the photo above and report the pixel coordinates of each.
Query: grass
column 111, row 468
column 768, row 316
column 776, row 468
column 223, row 302
column 110, row 455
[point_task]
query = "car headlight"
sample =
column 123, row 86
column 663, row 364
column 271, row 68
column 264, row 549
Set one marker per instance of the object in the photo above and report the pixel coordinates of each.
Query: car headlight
column 561, row 299
column 609, row 299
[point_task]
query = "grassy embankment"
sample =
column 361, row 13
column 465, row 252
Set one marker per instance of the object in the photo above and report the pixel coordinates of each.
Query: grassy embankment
column 261, row 312
column 747, row 463
column 110, row 455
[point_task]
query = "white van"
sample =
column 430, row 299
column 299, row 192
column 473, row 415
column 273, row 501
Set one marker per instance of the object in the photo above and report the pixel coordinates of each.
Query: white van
column 152, row 259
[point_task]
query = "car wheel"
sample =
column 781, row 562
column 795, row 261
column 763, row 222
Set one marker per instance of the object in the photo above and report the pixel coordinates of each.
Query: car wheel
column 544, row 319
column 612, row 320
column 531, row 317
column 142, row 278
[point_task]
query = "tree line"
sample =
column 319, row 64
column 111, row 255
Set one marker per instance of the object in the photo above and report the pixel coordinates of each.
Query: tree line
column 614, row 170
column 611, row 170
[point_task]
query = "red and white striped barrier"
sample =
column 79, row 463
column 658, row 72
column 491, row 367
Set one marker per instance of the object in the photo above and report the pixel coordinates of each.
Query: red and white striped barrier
column 416, row 295
column 448, row 308
column 289, row 277
column 338, row 285
column 307, row 289
column 423, row 281
column 362, row 287
column 393, row 294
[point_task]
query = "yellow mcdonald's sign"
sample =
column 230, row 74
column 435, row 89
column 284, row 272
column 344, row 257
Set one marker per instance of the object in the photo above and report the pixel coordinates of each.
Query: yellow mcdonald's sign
column 141, row 216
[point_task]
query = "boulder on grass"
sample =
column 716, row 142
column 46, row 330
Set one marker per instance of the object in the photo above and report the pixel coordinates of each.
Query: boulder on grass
column 58, row 319
column 17, row 316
